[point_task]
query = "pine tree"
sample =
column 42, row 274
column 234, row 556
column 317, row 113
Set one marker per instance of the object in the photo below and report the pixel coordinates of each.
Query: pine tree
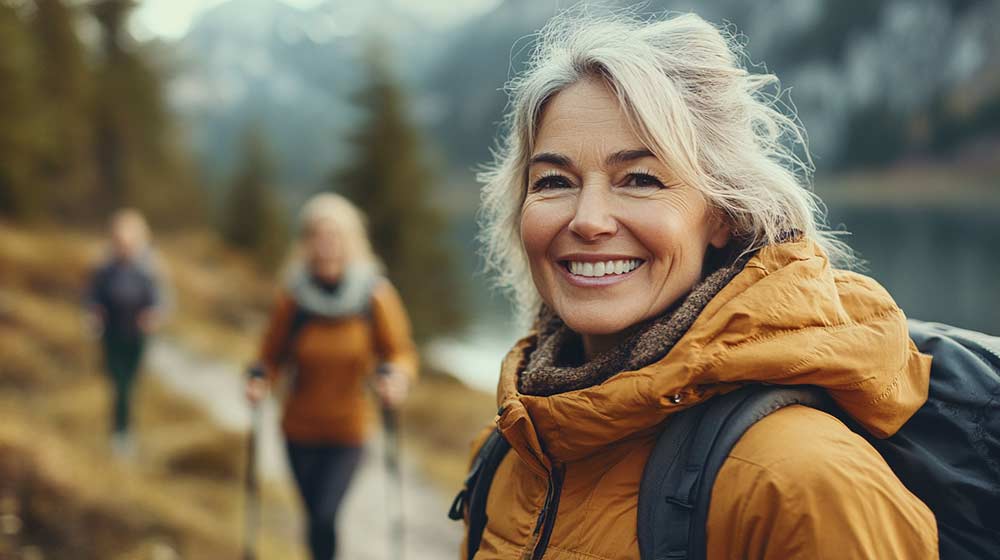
column 390, row 181
column 67, row 163
column 20, row 195
column 252, row 218
column 138, row 159
column 110, row 122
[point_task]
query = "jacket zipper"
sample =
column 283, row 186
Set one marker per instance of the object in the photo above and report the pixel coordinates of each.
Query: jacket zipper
column 547, row 517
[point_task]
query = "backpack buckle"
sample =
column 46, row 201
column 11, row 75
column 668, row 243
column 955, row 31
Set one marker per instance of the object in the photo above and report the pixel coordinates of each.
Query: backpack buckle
column 457, row 510
column 683, row 504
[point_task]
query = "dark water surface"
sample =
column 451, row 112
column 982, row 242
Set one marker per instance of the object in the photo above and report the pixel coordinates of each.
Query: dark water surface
column 939, row 263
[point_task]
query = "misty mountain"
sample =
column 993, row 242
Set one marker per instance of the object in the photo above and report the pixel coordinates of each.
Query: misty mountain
column 872, row 81
column 290, row 72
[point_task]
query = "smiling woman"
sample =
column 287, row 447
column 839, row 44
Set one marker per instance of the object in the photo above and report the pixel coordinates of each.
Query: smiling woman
column 648, row 212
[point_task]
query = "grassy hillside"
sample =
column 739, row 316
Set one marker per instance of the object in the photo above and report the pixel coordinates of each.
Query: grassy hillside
column 63, row 496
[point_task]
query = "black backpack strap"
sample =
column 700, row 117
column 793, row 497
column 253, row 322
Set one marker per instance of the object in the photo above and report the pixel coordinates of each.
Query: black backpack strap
column 368, row 314
column 299, row 319
column 677, row 482
column 471, row 500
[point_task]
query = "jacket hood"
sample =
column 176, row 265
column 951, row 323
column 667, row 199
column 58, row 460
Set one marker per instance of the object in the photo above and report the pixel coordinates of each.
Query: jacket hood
column 788, row 318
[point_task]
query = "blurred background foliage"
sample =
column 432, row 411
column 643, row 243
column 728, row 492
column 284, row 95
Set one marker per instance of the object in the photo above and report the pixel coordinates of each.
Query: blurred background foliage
column 388, row 176
column 252, row 216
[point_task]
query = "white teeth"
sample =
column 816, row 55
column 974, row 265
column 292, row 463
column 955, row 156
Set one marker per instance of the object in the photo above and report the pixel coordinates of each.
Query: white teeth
column 595, row 270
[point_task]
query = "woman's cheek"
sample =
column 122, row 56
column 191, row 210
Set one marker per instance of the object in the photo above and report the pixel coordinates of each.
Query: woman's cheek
column 667, row 226
column 538, row 227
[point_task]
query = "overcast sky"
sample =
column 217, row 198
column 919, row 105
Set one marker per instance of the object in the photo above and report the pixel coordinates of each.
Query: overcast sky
column 171, row 18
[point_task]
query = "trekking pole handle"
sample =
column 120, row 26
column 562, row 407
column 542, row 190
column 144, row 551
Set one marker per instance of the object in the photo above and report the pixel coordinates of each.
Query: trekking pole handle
column 256, row 384
column 383, row 369
column 255, row 371
column 388, row 412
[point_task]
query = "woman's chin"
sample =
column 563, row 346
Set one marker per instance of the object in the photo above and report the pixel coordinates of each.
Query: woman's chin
column 597, row 323
column 327, row 274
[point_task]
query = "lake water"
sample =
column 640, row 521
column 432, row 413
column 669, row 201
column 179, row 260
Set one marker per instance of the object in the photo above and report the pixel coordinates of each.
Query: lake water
column 939, row 263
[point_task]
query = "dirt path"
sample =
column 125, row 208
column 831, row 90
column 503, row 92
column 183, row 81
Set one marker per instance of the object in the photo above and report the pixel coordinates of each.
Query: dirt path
column 217, row 385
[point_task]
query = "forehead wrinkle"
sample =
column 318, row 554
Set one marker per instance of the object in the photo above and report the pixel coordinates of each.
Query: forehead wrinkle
column 587, row 124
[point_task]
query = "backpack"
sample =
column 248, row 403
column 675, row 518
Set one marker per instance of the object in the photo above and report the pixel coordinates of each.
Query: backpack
column 947, row 453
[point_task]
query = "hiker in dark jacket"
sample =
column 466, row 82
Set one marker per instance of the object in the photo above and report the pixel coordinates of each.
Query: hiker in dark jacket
column 126, row 302
column 336, row 320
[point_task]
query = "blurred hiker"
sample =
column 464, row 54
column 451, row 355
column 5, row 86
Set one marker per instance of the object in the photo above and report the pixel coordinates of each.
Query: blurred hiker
column 126, row 301
column 646, row 211
column 336, row 321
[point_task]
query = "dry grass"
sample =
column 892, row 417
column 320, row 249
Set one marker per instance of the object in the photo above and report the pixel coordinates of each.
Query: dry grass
column 61, row 494
column 440, row 420
column 221, row 300
column 74, row 505
column 184, row 493
column 45, row 262
column 182, row 498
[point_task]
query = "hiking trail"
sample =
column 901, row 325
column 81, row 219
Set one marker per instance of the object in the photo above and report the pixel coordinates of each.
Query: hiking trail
column 363, row 526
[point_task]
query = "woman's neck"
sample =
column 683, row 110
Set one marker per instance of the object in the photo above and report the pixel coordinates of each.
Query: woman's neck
column 326, row 283
column 595, row 344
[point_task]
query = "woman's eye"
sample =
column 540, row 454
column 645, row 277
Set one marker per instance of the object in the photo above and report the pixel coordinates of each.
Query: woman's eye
column 642, row 180
column 551, row 182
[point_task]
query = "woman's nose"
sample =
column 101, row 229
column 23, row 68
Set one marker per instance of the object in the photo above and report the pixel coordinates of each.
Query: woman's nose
column 593, row 218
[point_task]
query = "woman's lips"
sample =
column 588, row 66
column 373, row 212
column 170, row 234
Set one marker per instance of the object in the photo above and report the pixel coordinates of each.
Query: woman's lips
column 595, row 281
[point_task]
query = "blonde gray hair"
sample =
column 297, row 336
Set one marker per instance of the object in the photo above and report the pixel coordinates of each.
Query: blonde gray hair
column 350, row 221
column 686, row 92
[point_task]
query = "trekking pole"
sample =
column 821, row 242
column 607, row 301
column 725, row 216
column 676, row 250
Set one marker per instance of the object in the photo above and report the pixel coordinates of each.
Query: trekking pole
column 390, row 423
column 251, row 514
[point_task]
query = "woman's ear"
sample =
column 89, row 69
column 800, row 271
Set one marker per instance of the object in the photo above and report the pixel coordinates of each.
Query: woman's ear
column 720, row 234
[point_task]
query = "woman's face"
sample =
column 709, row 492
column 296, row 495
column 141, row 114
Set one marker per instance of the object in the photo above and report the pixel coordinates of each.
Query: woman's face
column 127, row 238
column 612, row 237
column 324, row 250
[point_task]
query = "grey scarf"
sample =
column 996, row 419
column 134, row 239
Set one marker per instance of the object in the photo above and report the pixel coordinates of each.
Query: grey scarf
column 549, row 370
column 351, row 296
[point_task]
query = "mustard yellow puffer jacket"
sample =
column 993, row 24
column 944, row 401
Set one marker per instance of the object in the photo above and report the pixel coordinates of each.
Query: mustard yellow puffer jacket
column 799, row 484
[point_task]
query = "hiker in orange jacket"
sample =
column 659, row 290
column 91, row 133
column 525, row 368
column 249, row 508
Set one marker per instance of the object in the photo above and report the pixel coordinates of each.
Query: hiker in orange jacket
column 647, row 215
column 336, row 319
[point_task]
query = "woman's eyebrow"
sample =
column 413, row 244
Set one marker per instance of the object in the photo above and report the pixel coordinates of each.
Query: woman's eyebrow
column 617, row 158
column 553, row 158
column 625, row 156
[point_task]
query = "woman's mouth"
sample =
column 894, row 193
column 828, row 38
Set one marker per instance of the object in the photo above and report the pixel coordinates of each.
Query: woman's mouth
column 605, row 268
column 599, row 273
